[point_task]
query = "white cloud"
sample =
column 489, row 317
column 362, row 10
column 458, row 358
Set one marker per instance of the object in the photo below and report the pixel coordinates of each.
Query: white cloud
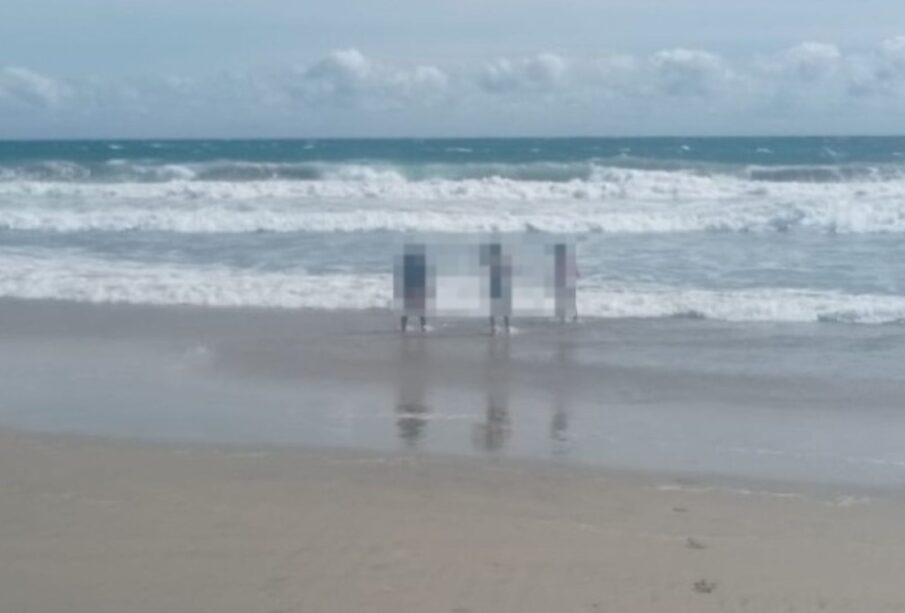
column 893, row 50
column 690, row 72
column 887, row 72
column 344, row 72
column 25, row 88
column 821, row 70
column 809, row 87
column 614, row 76
column 810, row 61
column 542, row 72
column 349, row 77
column 422, row 82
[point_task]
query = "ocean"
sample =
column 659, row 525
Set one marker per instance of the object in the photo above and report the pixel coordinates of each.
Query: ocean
column 735, row 229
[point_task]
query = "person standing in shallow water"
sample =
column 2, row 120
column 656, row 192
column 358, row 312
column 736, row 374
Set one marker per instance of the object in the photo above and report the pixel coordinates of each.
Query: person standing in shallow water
column 500, row 268
column 414, row 285
column 565, row 276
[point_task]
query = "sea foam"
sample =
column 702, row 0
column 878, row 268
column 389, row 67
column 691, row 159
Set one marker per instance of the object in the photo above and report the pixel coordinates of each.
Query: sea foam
column 69, row 276
column 360, row 197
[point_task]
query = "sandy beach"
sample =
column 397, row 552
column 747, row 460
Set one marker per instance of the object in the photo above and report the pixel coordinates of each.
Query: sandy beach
column 218, row 460
column 98, row 526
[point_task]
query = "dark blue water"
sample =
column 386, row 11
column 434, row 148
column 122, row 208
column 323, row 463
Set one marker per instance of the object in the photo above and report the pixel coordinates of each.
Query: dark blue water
column 765, row 151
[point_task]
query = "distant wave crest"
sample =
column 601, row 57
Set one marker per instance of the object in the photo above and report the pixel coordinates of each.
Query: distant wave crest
column 119, row 171
column 363, row 197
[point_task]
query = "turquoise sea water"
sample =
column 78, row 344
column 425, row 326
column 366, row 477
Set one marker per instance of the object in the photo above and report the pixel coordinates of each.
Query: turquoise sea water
column 742, row 229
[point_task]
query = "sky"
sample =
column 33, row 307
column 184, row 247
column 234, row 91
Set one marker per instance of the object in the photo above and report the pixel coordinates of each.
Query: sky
column 375, row 68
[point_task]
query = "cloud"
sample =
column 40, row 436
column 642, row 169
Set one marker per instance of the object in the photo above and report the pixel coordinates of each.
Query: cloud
column 542, row 72
column 692, row 72
column 893, row 52
column 422, row 81
column 347, row 76
column 812, row 87
column 345, row 72
column 885, row 72
column 809, row 61
column 23, row 88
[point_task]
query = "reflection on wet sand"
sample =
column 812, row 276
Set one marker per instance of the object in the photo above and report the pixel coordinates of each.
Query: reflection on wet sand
column 562, row 389
column 411, row 404
column 491, row 435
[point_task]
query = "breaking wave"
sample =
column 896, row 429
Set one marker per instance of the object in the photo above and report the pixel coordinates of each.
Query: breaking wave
column 66, row 276
column 362, row 197
column 158, row 171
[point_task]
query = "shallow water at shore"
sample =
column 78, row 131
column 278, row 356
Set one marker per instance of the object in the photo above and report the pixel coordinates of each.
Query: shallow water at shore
column 815, row 403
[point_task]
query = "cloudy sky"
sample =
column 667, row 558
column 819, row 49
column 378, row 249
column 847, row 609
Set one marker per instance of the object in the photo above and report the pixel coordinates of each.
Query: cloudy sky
column 157, row 68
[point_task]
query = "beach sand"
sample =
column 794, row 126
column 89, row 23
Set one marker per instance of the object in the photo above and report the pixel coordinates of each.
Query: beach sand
column 92, row 526
column 218, row 460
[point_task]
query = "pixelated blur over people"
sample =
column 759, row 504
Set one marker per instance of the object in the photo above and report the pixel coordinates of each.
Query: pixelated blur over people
column 414, row 284
column 497, row 277
column 499, row 266
column 565, row 282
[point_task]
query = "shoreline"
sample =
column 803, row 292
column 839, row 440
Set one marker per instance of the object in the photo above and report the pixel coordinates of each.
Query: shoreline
column 739, row 402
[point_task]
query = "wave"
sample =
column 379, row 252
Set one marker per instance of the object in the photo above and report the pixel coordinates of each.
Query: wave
column 368, row 199
column 590, row 170
column 154, row 171
column 56, row 276
column 754, row 305
column 70, row 276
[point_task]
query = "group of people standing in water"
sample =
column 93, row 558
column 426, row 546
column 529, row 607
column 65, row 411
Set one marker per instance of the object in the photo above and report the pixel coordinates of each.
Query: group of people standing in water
column 414, row 283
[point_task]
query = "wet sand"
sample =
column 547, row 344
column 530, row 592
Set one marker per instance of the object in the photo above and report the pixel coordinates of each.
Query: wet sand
column 802, row 404
column 95, row 526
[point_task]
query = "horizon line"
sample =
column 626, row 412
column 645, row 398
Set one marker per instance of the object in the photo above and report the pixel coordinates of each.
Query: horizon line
column 435, row 137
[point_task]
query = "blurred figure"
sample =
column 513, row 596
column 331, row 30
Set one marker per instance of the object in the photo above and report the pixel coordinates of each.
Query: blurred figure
column 497, row 276
column 565, row 277
column 499, row 266
column 413, row 279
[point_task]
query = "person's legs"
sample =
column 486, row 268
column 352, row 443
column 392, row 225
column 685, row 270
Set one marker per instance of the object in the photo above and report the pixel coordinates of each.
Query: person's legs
column 423, row 323
column 506, row 323
column 404, row 322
